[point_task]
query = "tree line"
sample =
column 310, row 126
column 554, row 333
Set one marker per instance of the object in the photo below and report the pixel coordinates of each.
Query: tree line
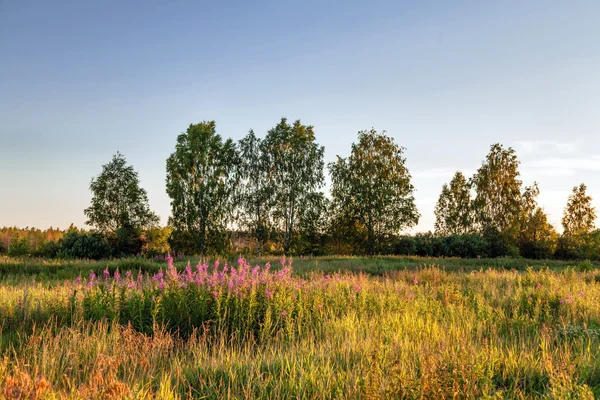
column 265, row 196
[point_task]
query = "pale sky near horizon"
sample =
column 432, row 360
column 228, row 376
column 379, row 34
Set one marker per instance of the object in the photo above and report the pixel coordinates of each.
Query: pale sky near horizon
column 80, row 81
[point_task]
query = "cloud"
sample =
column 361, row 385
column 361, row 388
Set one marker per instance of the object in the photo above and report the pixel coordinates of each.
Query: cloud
column 546, row 146
column 564, row 166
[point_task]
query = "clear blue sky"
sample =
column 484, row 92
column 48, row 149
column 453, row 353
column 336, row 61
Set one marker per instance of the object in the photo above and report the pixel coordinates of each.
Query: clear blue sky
column 80, row 80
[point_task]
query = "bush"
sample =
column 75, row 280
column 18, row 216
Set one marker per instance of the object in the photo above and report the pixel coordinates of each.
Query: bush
column 126, row 242
column 49, row 249
column 464, row 246
column 18, row 247
column 92, row 246
column 2, row 248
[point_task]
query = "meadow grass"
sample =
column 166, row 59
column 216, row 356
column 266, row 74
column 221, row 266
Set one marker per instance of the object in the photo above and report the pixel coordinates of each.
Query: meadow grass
column 421, row 332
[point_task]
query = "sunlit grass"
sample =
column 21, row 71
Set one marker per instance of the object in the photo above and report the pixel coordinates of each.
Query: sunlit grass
column 410, row 333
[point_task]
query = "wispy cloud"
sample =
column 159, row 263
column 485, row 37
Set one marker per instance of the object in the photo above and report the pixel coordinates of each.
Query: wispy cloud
column 564, row 166
column 528, row 147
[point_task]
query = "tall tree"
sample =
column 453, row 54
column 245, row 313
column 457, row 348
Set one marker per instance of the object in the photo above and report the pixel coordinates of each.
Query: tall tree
column 201, row 181
column 498, row 199
column 538, row 237
column 256, row 192
column 372, row 187
column 296, row 173
column 579, row 216
column 453, row 211
column 118, row 201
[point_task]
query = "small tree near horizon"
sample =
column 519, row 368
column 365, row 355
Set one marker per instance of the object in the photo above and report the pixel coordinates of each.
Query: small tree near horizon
column 579, row 216
column 201, row 182
column 118, row 201
column 454, row 210
column 372, row 187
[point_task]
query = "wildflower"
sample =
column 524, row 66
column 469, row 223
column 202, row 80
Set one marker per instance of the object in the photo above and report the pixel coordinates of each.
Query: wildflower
column 581, row 294
column 283, row 313
column 216, row 294
column 241, row 261
column 161, row 284
column 562, row 301
column 117, row 275
column 282, row 261
column 268, row 293
column 92, row 276
column 569, row 300
column 216, row 264
column 106, row 274
column 416, row 282
column 78, row 280
column 128, row 274
column 356, row 288
column 539, row 285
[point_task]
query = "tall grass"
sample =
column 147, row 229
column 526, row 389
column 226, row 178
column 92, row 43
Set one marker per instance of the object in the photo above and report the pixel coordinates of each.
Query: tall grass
column 421, row 333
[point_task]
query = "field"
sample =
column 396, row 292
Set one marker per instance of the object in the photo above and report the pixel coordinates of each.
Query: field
column 309, row 328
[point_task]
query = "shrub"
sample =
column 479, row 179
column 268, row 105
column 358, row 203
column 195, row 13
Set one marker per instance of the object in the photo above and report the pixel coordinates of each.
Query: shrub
column 126, row 242
column 84, row 245
column 2, row 248
column 18, row 247
column 49, row 249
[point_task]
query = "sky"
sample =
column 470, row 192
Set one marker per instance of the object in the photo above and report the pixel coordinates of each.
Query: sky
column 81, row 80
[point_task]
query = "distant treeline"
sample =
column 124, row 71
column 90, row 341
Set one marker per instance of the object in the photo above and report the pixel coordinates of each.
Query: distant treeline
column 265, row 196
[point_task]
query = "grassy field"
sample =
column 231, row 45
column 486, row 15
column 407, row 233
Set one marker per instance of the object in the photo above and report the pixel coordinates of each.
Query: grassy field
column 312, row 328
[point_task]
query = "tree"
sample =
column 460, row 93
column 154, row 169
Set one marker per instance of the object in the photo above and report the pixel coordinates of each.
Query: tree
column 118, row 200
column 313, row 223
column 296, row 173
column 497, row 202
column 372, row 187
column 256, row 192
column 453, row 211
column 579, row 216
column 201, row 182
column 538, row 237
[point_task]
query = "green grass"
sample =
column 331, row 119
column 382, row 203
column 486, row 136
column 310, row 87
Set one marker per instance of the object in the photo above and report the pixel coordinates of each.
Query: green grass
column 404, row 328
column 14, row 270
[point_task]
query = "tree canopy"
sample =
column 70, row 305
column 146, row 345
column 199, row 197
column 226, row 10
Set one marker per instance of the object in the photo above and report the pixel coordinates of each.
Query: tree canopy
column 118, row 201
column 373, row 187
column 454, row 211
column 201, row 181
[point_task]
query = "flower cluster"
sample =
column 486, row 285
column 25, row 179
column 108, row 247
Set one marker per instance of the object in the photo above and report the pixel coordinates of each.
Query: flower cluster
column 238, row 279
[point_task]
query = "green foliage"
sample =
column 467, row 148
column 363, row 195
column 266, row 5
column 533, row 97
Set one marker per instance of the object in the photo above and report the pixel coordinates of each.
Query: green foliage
column 579, row 216
column 201, row 182
column 18, row 247
column 454, row 211
column 118, row 200
column 126, row 241
column 3, row 249
column 157, row 241
column 93, row 246
column 498, row 198
column 49, row 249
column 256, row 197
column 296, row 175
column 372, row 188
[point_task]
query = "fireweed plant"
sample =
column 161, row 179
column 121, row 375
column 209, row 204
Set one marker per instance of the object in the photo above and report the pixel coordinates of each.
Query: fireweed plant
column 243, row 301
